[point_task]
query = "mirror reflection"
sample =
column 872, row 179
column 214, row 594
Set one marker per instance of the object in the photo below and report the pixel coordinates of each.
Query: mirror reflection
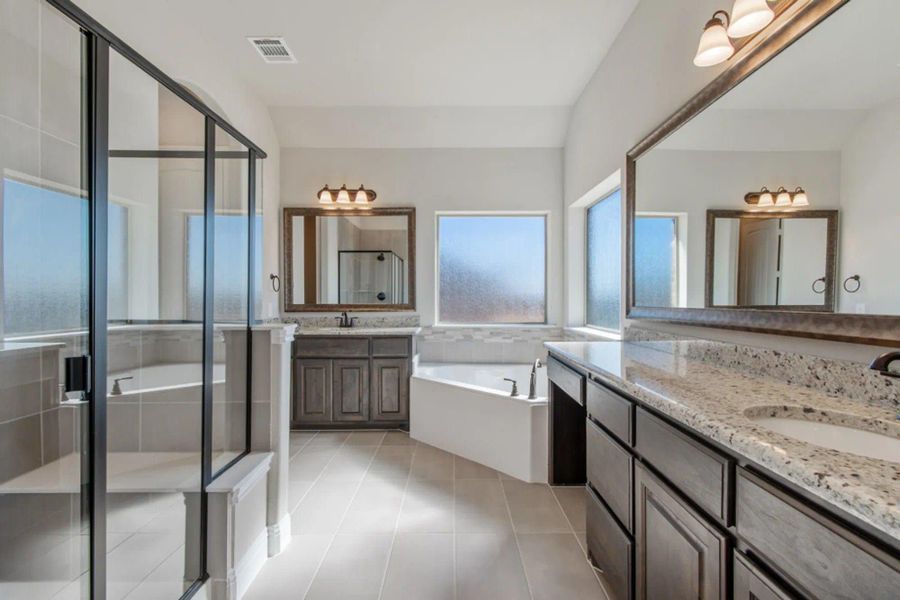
column 348, row 259
column 815, row 129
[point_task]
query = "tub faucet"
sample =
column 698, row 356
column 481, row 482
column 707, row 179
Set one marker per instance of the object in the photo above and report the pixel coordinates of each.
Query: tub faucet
column 532, row 391
column 117, row 389
column 515, row 388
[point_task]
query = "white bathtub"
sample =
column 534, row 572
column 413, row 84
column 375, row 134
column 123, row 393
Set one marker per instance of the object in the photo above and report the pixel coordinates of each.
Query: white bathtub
column 466, row 409
column 166, row 376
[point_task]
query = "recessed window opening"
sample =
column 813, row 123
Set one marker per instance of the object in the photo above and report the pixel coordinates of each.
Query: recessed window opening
column 603, row 286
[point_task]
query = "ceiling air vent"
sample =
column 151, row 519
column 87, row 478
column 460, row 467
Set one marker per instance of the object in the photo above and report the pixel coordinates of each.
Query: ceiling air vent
column 273, row 50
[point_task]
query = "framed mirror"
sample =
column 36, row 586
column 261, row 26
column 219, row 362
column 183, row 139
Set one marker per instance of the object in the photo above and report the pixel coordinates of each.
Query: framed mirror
column 771, row 260
column 769, row 201
column 349, row 260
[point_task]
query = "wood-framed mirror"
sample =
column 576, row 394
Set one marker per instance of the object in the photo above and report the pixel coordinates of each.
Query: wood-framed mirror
column 361, row 260
column 812, row 104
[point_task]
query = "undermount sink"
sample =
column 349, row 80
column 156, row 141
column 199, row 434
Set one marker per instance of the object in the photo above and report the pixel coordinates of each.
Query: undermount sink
column 842, row 438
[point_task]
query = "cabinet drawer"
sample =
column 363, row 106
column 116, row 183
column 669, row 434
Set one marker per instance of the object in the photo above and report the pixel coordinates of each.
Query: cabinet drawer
column 811, row 550
column 331, row 347
column 610, row 410
column 568, row 380
column 609, row 549
column 698, row 471
column 752, row 584
column 390, row 346
column 609, row 471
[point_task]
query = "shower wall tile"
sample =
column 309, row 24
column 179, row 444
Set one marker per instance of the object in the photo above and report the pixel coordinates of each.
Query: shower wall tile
column 19, row 21
column 19, row 399
column 170, row 427
column 20, row 446
column 123, row 427
column 50, row 435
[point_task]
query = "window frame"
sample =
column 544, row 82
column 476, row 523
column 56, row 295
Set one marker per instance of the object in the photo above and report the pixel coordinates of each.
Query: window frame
column 608, row 194
column 545, row 214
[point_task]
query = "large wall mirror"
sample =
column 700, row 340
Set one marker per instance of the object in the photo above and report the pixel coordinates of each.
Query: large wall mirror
column 770, row 201
column 361, row 260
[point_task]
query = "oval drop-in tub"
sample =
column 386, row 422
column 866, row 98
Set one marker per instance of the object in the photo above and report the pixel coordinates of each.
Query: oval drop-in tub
column 466, row 409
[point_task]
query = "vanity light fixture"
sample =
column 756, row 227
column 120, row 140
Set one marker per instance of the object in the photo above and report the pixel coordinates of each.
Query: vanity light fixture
column 749, row 17
column 343, row 196
column 715, row 46
column 779, row 199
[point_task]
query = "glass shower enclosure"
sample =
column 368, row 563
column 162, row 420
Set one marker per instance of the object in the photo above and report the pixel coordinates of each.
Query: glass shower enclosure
column 128, row 260
column 370, row 277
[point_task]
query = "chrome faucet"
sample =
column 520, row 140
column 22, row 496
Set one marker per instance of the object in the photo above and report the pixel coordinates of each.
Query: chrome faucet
column 117, row 389
column 345, row 320
column 532, row 391
column 882, row 364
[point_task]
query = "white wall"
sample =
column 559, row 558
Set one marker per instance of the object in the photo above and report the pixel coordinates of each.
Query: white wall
column 440, row 180
column 870, row 219
column 647, row 75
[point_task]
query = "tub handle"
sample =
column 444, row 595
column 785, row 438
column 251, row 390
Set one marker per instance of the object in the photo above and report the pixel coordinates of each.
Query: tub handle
column 515, row 389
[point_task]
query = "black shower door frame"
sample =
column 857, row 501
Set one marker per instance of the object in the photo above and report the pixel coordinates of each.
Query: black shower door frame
column 99, row 42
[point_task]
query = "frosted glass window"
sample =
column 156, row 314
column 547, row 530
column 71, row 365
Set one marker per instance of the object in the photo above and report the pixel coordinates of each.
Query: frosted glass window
column 493, row 269
column 604, row 262
column 44, row 248
column 230, row 271
column 655, row 261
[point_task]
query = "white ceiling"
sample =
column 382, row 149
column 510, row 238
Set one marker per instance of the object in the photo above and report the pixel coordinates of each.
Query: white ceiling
column 361, row 63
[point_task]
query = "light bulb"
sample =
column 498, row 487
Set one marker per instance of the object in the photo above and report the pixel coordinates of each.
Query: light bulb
column 361, row 196
column 343, row 196
column 783, row 198
column 749, row 17
column 325, row 196
column 800, row 198
column 715, row 47
column 765, row 199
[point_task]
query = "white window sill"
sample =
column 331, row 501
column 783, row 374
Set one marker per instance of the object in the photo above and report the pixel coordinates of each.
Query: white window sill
column 596, row 333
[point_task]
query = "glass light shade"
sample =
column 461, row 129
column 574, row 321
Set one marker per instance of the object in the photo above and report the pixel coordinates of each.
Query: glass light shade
column 325, row 196
column 783, row 198
column 800, row 198
column 766, row 199
column 343, row 196
column 715, row 47
column 749, row 17
column 361, row 196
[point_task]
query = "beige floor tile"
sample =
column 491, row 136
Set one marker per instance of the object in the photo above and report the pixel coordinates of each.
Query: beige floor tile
column 288, row 575
column 309, row 463
column 365, row 438
column 329, row 438
column 323, row 507
column 557, row 568
column 481, row 507
column 467, row 469
column 353, row 567
column 572, row 500
column 421, row 567
column 427, row 507
column 391, row 462
column 296, row 491
column 534, row 509
column 299, row 439
column 350, row 463
column 398, row 438
column 431, row 463
column 375, row 508
column 488, row 566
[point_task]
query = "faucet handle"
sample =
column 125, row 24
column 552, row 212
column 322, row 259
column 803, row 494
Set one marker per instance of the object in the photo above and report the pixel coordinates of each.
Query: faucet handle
column 515, row 388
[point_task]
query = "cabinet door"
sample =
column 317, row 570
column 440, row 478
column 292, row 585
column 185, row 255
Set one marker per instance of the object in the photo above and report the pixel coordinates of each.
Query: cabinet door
column 390, row 389
column 312, row 390
column 751, row 584
column 350, row 391
column 678, row 553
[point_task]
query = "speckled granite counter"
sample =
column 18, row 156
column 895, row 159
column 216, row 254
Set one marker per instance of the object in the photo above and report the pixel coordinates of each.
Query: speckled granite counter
column 712, row 401
column 357, row 331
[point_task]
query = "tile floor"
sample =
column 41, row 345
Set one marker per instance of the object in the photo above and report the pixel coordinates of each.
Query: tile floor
column 378, row 515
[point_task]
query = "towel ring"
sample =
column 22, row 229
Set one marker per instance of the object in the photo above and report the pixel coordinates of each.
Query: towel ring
column 824, row 285
column 858, row 284
column 276, row 282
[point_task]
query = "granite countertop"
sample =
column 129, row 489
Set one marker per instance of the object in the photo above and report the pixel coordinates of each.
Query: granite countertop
column 358, row 331
column 712, row 401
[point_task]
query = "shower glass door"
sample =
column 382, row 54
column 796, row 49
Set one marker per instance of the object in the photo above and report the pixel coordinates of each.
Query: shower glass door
column 44, row 305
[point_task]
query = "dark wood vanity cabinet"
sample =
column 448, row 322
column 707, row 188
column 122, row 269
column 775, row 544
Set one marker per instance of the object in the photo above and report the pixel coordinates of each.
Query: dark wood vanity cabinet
column 351, row 381
column 670, row 514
